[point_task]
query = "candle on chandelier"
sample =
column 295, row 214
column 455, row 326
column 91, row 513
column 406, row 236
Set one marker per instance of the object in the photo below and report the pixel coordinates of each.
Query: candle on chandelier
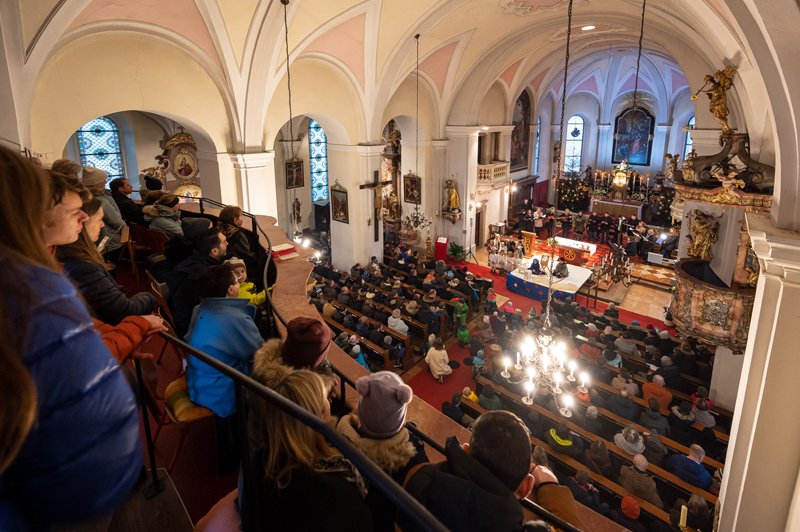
column 518, row 365
column 558, row 378
column 506, row 362
column 572, row 366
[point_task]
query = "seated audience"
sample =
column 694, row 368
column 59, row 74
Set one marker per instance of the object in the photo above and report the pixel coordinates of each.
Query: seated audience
column 624, row 381
column 84, row 264
column 598, row 460
column 164, row 215
column 396, row 323
column 564, row 441
column 611, row 311
column 702, row 415
column 585, row 492
column 656, row 390
column 623, row 405
column 690, row 468
column 629, row 440
column 698, row 516
column 95, row 180
column 247, row 289
column 308, row 484
column 628, row 515
column 625, row 344
column 377, row 428
column 231, row 219
column 654, row 450
column 493, row 468
column 120, row 192
column 681, row 420
column 635, row 479
column 652, row 418
column 489, row 399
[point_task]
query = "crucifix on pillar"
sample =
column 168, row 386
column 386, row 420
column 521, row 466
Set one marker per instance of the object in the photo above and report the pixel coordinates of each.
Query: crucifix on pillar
column 377, row 189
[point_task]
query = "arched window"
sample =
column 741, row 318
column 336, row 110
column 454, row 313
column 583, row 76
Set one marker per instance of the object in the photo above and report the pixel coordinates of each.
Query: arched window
column 99, row 146
column 688, row 142
column 536, row 148
column 318, row 162
column 574, row 144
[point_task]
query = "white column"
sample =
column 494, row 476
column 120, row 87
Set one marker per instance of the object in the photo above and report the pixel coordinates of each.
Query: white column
column 725, row 378
column 439, row 170
column 255, row 173
column 463, row 159
column 351, row 242
column 660, row 143
column 605, row 143
column 760, row 484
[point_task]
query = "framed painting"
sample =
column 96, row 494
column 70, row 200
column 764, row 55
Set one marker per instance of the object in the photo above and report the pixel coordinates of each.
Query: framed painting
column 339, row 207
column 633, row 137
column 294, row 174
column 412, row 189
column 183, row 164
column 521, row 135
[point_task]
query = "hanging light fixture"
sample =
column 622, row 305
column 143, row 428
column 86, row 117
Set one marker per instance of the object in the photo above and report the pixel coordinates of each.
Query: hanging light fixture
column 639, row 58
column 417, row 219
column 541, row 362
column 293, row 167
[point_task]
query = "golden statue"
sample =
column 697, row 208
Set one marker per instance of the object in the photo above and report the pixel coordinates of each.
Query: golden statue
column 392, row 205
column 688, row 172
column 716, row 88
column 452, row 201
column 703, row 235
column 672, row 165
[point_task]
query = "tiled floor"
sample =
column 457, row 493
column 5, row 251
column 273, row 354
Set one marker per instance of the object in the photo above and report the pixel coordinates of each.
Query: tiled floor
column 655, row 274
column 646, row 300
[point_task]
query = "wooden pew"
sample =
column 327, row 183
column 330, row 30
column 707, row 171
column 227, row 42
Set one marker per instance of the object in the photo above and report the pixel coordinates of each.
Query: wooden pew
column 448, row 306
column 662, row 476
column 382, row 326
column 620, row 423
column 379, row 351
column 600, row 481
column 421, row 329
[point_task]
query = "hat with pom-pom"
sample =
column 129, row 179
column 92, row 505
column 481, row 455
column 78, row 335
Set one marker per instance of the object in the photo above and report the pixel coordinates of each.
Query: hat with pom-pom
column 383, row 405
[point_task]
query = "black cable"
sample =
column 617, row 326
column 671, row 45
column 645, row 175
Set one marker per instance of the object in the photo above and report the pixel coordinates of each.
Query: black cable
column 639, row 56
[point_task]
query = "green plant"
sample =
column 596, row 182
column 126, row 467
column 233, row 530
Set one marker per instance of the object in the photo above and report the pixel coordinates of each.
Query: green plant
column 457, row 252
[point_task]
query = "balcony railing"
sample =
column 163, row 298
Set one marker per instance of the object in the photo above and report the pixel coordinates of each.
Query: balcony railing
column 494, row 173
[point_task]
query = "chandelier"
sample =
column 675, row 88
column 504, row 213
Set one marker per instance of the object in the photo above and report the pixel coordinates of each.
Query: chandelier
column 541, row 362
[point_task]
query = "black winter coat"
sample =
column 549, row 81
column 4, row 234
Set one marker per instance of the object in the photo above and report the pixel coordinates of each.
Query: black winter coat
column 105, row 297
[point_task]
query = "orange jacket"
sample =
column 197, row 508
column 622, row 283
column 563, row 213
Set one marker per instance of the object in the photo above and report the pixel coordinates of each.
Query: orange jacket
column 659, row 393
column 124, row 338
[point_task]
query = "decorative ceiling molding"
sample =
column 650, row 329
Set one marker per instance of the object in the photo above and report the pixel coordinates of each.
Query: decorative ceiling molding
column 600, row 29
column 523, row 8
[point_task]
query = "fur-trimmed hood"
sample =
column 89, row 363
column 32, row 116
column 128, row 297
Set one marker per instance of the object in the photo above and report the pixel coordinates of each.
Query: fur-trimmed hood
column 390, row 454
column 676, row 412
column 268, row 366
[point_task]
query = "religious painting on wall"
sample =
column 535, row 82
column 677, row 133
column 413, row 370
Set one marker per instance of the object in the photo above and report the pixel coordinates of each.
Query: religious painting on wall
column 521, row 135
column 633, row 137
column 339, row 207
column 294, row 174
column 412, row 189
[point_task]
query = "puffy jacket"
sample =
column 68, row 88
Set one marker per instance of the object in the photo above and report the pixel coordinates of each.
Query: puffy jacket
column 104, row 295
column 223, row 328
column 654, row 420
column 82, row 457
column 687, row 469
column 163, row 218
column 640, row 484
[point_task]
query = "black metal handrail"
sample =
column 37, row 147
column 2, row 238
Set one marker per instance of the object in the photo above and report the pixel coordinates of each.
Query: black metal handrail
column 415, row 511
column 256, row 229
column 528, row 504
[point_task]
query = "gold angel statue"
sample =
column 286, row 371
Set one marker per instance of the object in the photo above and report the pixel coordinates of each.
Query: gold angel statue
column 672, row 165
column 704, row 233
column 716, row 88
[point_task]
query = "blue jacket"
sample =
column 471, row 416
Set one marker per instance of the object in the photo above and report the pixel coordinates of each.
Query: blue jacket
column 82, row 458
column 687, row 469
column 224, row 328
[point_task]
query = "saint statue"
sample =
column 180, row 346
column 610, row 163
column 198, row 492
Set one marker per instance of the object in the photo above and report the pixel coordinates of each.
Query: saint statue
column 392, row 205
column 703, row 235
column 298, row 218
column 672, row 165
column 452, row 202
column 716, row 88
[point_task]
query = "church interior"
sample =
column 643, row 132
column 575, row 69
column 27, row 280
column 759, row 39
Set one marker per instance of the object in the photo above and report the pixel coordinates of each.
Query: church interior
column 556, row 194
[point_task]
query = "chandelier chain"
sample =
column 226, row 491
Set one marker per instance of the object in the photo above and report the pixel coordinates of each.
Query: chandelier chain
column 560, row 145
column 288, row 73
column 416, row 73
column 639, row 56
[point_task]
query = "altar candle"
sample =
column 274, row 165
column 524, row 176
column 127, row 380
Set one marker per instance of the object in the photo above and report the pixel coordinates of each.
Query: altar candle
column 517, row 358
column 684, row 515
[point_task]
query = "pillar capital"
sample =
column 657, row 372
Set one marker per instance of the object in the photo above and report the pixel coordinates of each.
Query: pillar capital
column 252, row 160
column 465, row 131
column 778, row 250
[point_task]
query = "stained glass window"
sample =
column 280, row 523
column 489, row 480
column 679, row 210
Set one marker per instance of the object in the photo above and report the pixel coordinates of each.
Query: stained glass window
column 688, row 142
column 574, row 144
column 536, row 149
column 99, row 146
column 318, row 157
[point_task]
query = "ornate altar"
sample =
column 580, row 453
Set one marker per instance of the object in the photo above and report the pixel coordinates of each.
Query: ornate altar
column 573, row 251
column 715, row 314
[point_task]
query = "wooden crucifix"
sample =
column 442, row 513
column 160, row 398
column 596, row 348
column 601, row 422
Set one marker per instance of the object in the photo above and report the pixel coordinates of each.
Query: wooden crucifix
column 377, row 189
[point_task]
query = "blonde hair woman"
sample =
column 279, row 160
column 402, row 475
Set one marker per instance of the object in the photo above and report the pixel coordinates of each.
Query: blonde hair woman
column 309, row 484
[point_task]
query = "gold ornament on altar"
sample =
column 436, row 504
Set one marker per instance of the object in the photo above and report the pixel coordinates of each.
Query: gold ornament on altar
column 716, row 88
column 704, row 233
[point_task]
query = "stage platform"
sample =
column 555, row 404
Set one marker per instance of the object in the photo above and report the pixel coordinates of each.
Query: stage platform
column 535, row 287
